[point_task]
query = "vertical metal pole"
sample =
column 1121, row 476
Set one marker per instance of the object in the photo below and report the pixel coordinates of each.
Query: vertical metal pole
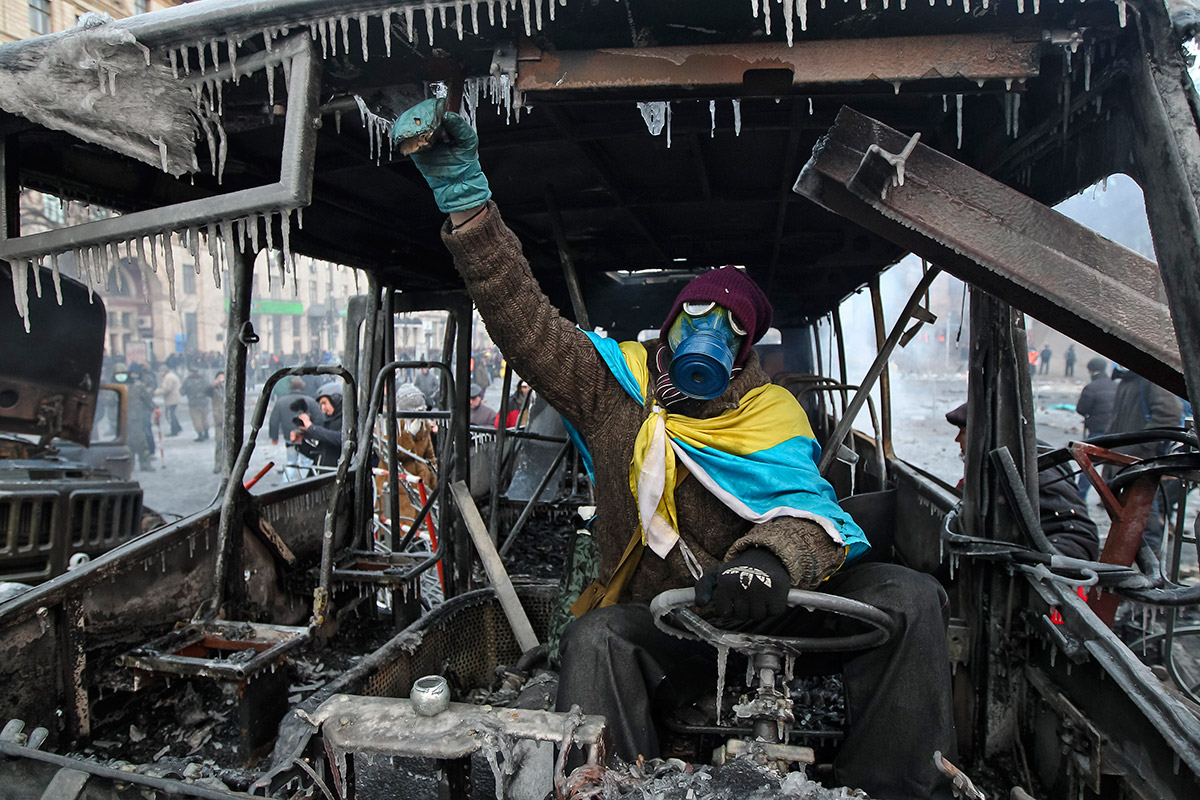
column 241, row 285
column 368, row 364
column 10, row 193
column 841, row 352
column 568, row 263
column 885, row 385
column 497, row 457
column 460, row 569
column 995, row 413
column 389, row 349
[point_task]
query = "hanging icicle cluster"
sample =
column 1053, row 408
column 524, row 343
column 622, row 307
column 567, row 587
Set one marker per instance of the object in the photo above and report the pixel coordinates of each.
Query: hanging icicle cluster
column 98, row 266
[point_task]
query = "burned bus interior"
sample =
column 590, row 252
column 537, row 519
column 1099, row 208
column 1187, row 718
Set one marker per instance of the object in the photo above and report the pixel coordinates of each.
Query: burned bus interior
column 285, row 644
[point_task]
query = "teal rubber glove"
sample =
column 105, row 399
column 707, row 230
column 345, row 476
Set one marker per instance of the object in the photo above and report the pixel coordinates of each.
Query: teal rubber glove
column 451, row 168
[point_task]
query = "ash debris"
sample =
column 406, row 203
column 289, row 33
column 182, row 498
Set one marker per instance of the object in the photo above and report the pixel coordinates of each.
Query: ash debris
column 740, row 779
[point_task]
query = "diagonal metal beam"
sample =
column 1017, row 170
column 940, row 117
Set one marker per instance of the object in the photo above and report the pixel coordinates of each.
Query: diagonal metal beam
column 1092, row 289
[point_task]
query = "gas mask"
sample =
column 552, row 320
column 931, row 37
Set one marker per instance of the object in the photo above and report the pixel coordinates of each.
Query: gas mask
column 704, row 339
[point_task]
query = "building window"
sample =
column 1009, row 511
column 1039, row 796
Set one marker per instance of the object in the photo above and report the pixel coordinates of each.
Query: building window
column 141, row 6
column 52, row 209
column 189, row 278
column 312, row 291
column 39, row 16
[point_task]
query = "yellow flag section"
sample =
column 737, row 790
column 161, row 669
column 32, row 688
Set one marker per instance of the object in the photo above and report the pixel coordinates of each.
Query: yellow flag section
column 759, row 459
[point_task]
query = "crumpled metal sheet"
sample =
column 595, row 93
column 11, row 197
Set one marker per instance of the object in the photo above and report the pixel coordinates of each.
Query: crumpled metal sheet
column 99, row 84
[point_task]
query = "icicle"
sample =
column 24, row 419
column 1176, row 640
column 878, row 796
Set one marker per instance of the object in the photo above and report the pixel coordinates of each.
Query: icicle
column 525, row 13
column 1037, row 6
column 712, row 116
column 429, row 23
column 213, row 47
column 737, row 117
column 1121, row 12
column 722, row 663
column 222, row 149
column 214, row 250
column 655, row 115
column 503, row 14
column 1087, row 69
column 168, row 266
column 271, row 87
column 1016, row 114
column 57, row 277
column 232, row 46
column 285, row 229
column 20, row 279
column 896, row 87
column 185, row 56
column 345, row 23
column 362, row 29
column 37, row 276
column 458, row 18
column 162, row 150
column 958, row 100
column 766, row 9
column 300, row 217
column 810, row 106
column 253, row 220
column 754, row 8
column 1020, row 6
column 408, row 21
column 174, row 64
column 1007, row 113
column 271, row 243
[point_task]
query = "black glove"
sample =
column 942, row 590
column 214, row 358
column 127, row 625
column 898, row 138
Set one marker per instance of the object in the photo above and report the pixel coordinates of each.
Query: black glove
column 753, row 585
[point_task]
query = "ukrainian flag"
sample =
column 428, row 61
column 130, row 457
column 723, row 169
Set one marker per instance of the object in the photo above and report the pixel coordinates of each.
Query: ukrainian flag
column 759, row 459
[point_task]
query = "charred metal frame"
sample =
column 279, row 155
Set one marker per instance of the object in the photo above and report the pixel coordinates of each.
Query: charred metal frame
column 954, row 216
column 292, row 190
column 877, row 62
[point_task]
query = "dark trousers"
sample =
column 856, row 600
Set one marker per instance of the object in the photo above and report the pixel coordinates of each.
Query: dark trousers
column 615, row 662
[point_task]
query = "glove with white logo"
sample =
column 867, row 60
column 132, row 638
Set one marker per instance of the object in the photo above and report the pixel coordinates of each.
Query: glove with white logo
column 753, row 585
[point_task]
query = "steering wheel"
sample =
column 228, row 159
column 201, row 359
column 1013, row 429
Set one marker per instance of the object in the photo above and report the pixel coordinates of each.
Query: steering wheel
column 698, row 629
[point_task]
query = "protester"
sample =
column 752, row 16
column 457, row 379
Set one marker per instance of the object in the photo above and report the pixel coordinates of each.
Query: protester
column 168, row 392
column 1095, row 405
column 481, row 414
column 199, row 396
column 218, row 404
column 322, row 443
column 141, row 410
column 297, row 464
column 1069, row 359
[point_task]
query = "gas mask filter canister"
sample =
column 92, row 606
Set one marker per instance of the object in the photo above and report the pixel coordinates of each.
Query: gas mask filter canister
column 703, row 339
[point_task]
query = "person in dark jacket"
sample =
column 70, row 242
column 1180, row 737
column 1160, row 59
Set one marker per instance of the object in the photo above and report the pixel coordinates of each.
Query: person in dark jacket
column 1140, row 405
column 1095, row 405
column 322, row 443
column 615, row 661
column 1063, row 514
column 280, row 423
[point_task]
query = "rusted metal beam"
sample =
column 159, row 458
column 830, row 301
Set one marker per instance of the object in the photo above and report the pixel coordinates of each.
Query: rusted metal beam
column 1092, row 289
column 900, row 59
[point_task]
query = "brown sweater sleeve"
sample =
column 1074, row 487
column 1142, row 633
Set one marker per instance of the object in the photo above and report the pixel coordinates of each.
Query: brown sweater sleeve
column 546, row 349
column 802, row 545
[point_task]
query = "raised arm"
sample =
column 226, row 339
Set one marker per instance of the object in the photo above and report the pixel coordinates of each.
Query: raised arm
column 546, row 349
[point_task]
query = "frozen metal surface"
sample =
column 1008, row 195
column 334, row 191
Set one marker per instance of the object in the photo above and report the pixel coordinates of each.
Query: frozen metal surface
column 390, row 727
column 977, row 57
column 986, row 233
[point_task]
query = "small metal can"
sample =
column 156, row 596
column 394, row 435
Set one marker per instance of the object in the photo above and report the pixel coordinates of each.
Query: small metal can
column 430, row 695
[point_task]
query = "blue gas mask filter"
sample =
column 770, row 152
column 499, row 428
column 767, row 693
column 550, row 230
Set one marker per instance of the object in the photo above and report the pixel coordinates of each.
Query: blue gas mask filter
column 704, row 339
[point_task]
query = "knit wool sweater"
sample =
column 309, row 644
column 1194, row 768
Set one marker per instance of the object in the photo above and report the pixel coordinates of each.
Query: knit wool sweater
column 562, row 365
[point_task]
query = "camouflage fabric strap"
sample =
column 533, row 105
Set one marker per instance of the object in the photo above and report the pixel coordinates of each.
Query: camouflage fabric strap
column 600, row 595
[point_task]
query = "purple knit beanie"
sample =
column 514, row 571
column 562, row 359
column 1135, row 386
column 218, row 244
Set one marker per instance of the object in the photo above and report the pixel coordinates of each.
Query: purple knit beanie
column 729, row 287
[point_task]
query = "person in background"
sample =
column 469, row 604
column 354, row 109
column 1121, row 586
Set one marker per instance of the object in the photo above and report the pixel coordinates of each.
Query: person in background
column 1062, row 512
column 199, row 395
column 1095, row 405
column 141, row 410
column 218, row 404
column 1046, row 353
column 518, row 413
column 1069, row 358
column 297, row 464
column 1139, row 405
column 322, row 443
column 428, row 382
column 168, row 391
column 481, row 414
